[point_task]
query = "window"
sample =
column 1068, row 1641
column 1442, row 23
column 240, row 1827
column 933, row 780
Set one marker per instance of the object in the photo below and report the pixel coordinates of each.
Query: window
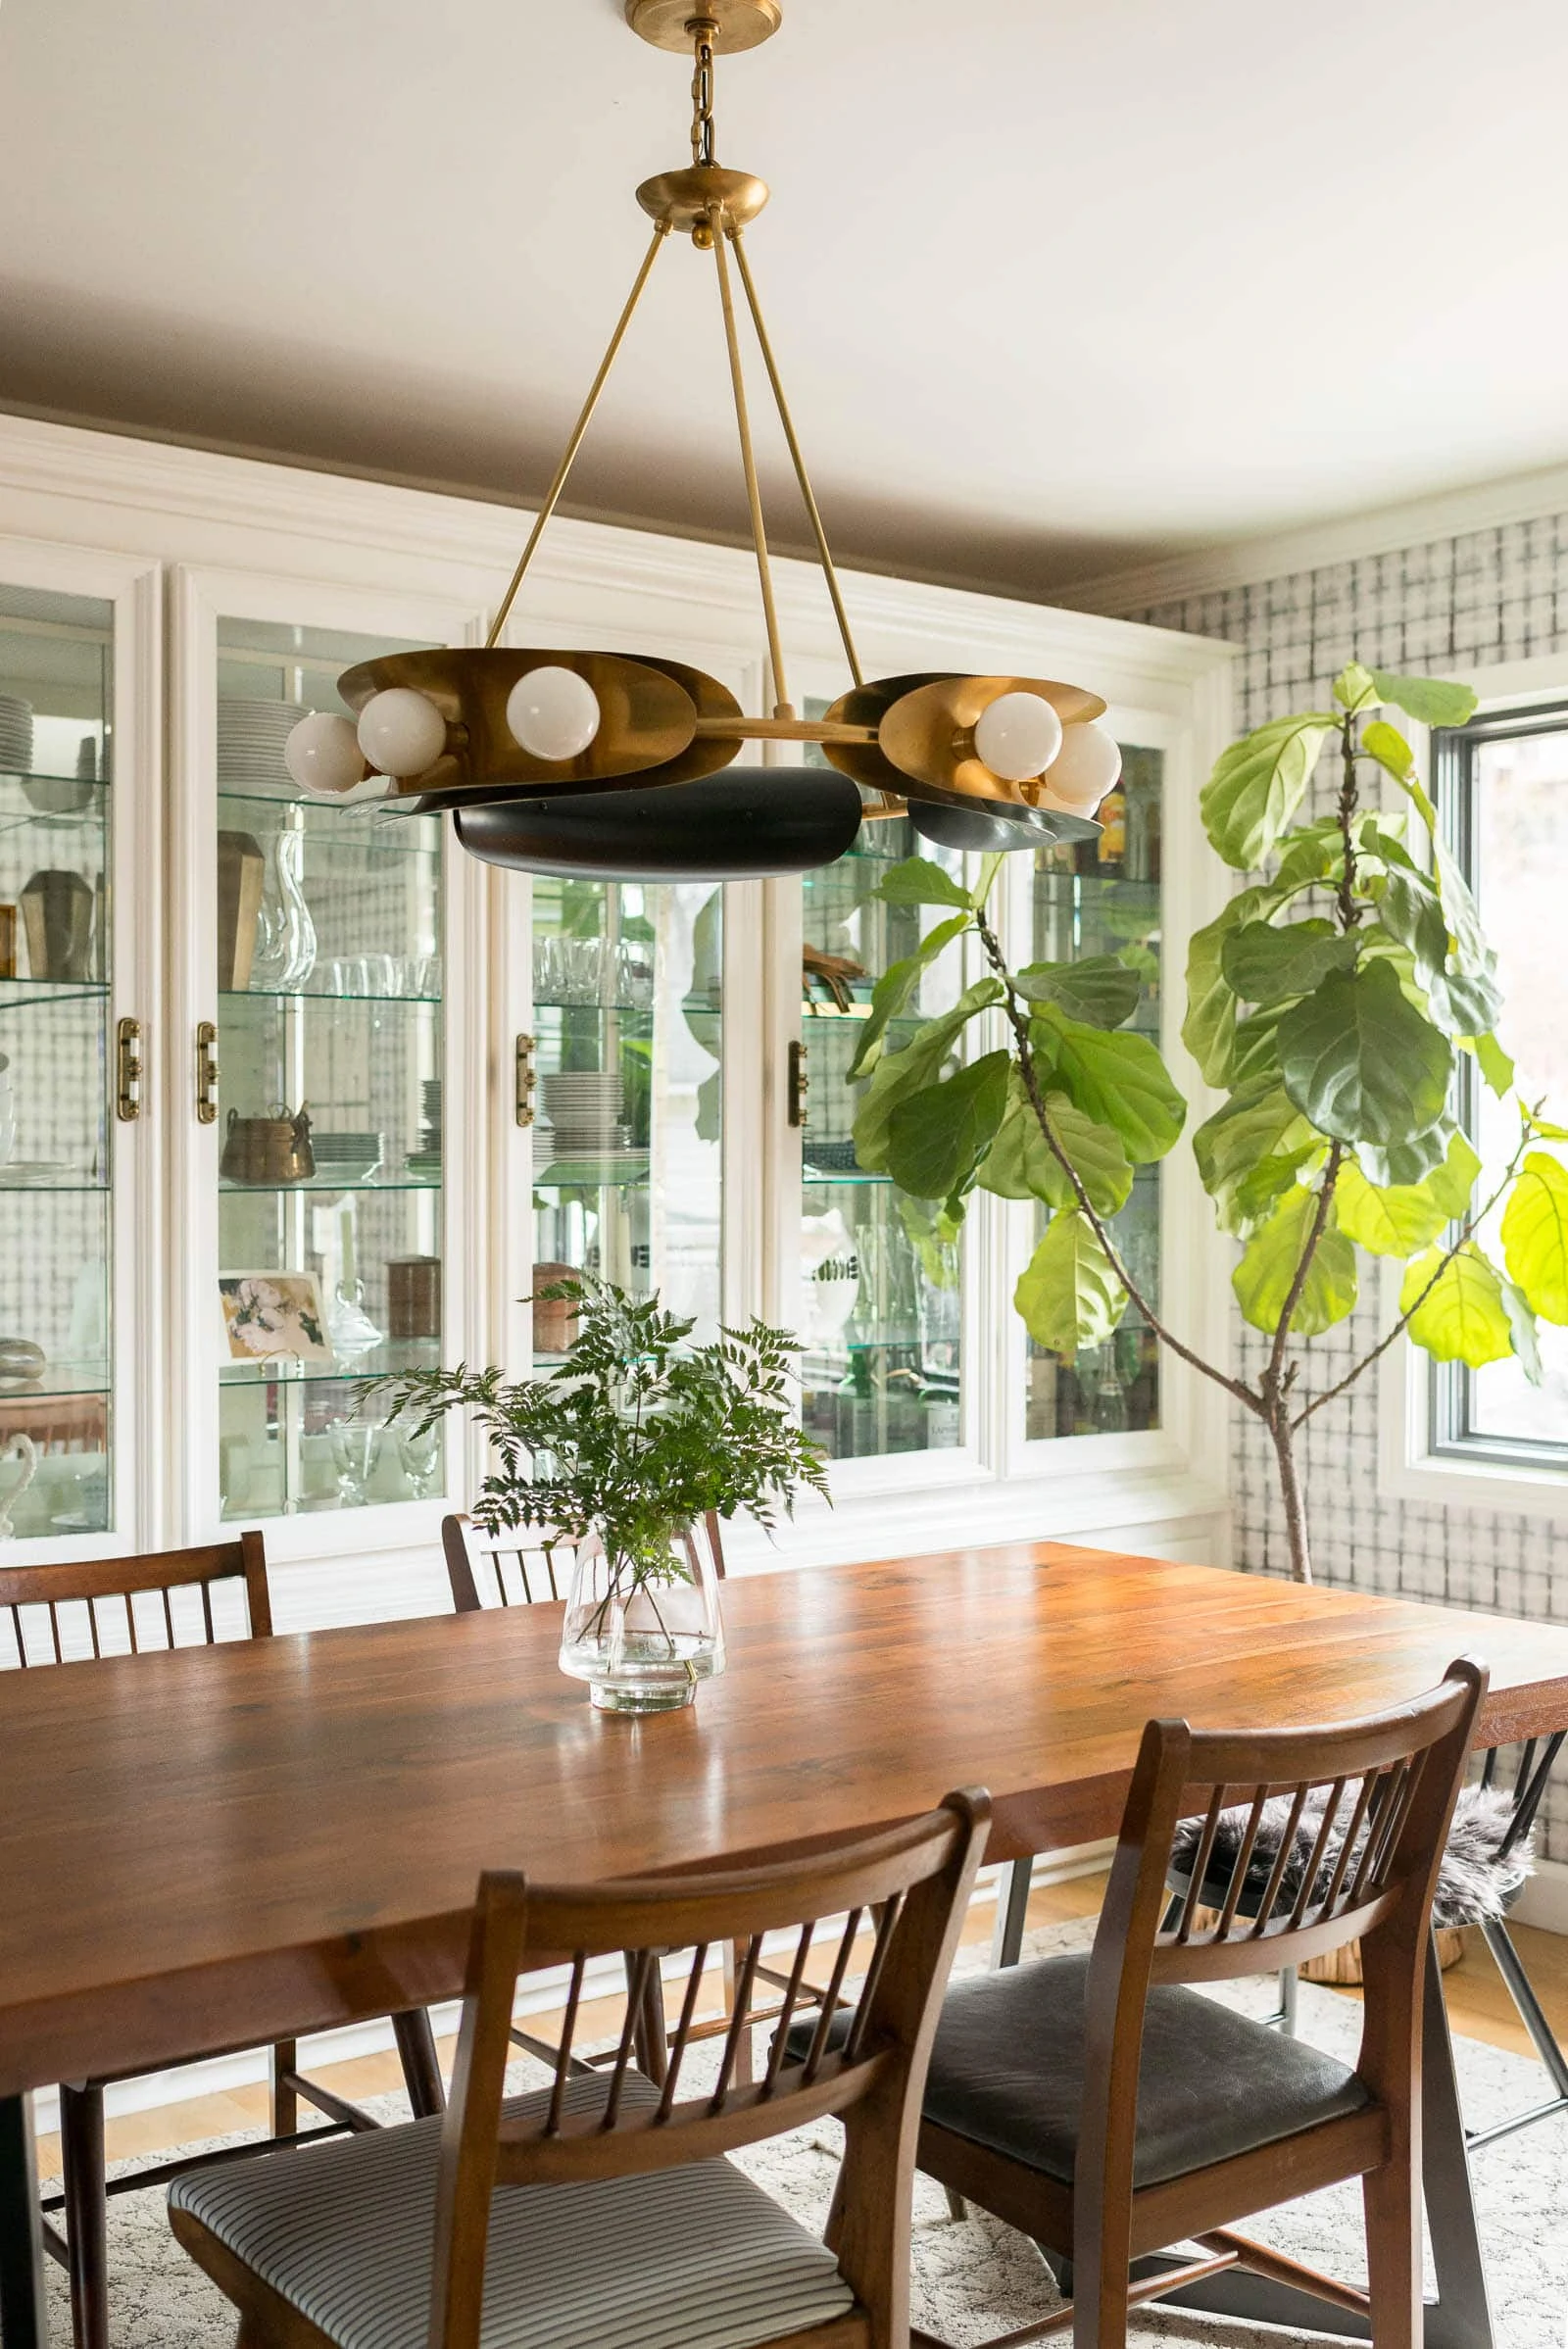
column 1502, row 791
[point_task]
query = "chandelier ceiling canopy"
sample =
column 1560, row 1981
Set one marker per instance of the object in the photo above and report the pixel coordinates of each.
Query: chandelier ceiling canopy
column 594, row 763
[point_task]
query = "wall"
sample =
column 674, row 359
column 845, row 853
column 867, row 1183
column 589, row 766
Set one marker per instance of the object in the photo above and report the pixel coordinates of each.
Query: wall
column 1453, row 605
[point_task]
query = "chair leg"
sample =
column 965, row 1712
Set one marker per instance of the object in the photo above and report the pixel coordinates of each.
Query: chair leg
column 734, row 1958
column 285, row 2103
column 421, row 2072
column 82, row 2141
column 1522, row 1991
column 1393, row 2206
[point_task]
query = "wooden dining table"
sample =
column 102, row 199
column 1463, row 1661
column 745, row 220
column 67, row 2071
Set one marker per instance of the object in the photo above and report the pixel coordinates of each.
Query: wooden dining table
column 228, row 1845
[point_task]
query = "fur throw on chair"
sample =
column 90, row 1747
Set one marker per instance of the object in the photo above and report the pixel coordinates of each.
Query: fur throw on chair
column 1475, row 1881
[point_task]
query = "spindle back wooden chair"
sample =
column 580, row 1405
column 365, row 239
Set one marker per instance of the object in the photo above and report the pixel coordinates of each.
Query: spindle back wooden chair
column 1533, row 1767
column 1126, row 2123
column 85, row 1610
column 527, row 1565
column 693, row 2242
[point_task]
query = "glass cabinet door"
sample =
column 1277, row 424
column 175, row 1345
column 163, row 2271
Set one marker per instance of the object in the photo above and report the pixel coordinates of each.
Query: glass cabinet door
column 328, row 1101
column 627, row 1128
column 57, row 1057
column 1102, row 897
column 880, row 1294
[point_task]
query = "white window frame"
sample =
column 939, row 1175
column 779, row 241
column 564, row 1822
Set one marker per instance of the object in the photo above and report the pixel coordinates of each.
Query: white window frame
column 1409, row 1469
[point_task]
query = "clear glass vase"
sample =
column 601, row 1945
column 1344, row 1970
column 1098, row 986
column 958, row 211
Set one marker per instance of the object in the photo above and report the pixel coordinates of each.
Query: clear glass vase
column 643, row 1635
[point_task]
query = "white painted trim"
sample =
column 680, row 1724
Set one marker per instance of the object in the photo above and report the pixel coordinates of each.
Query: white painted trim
column 1279, row 554
column 1544, row 1902
column 1408, row 1468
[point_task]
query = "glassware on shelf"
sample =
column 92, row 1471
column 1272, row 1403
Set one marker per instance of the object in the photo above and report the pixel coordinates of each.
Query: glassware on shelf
column 352, row 1331
column 284, row 956
column 357, row 1447
column 420, row 1452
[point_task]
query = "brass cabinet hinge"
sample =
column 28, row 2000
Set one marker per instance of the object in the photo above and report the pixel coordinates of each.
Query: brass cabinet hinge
column 128, row 1071
column 525, row 1081
column 206, row 1072
column 799, row 1084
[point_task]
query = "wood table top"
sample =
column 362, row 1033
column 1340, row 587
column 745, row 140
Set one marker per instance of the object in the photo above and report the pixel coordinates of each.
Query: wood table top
column 221, row 1845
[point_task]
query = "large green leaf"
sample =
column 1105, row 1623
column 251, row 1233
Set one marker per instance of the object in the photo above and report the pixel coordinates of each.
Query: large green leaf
column 1410, row 911
column 1249, row 1150
column 1452, row 1184
column 1264, row 1278
column 894, row 989
column 1431, row 700
column 932, row 1233
column 1388, row 746
column 1493, row 1063
column 1067, row 1295
column 1523, row 1331
column 1117, row 1080
column 1353, row 687
column 918, row 1063
column 1465, row 1003
column 1256, row 1047
column 1404, row 1163
column 1209, row 1028
column 1099, row 989
column 938, row 1136
column 1311, row 853
column 1257, row 785
column 919, row 882
column 1021, row 1164
column 1266, row 962
column 1386, row 1222
column 1535, row 1234
column 1361, row 1062
column 1463, row 1318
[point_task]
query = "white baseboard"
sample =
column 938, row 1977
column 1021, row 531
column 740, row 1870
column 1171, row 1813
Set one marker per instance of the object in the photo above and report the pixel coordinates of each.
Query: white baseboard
column 249, row 2068
column 1544, row 1902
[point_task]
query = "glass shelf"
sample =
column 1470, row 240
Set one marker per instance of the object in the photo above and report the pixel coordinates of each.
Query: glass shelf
column 50, row 1187
column 317, row 995
column 330, row 1184
column 821, row 1178
column 287, row 1370
column 56, row 1380
column 17, row 995
column 91, row 785
column 593, row 1174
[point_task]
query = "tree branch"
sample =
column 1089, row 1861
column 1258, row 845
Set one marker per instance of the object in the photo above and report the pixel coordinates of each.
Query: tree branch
column 1018, row 1020
column 1271, row 1382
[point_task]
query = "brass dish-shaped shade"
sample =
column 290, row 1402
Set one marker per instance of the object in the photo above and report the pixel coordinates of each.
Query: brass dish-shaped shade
column 924, row 752
column 749, row 823
column 649, row 712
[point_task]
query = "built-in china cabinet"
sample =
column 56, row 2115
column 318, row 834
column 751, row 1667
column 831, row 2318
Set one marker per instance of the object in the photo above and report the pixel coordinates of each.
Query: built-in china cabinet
column 267, row 1062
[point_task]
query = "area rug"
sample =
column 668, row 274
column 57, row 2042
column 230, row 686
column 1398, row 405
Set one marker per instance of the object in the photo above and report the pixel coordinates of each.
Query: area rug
column 976, row 2278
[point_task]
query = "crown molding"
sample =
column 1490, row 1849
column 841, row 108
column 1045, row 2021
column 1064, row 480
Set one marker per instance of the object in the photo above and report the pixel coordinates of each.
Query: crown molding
column 1380, row 530
column 126, row 491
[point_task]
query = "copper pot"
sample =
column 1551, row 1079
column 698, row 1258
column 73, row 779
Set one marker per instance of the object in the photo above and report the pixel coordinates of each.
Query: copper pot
column 269, row 1151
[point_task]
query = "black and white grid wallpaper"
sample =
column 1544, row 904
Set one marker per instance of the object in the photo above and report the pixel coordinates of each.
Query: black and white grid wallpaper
column 1457, row 605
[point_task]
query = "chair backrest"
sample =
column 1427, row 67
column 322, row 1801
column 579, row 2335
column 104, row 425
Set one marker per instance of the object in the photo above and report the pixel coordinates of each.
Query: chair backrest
column 1382, row 1792
column 909, row 1886
column 49, row 1614
column 533, row 1562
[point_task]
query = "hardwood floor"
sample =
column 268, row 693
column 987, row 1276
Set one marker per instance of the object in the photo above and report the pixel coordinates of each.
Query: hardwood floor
column 1479, row 2008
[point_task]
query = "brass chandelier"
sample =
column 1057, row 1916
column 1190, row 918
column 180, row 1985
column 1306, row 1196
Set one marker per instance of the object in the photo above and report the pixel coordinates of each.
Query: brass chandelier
column 601, row 765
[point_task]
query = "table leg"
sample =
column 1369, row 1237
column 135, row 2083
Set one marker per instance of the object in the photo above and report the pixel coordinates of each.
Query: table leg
column 1459, row 2317
column 1012, row 1908
column 23, row 2323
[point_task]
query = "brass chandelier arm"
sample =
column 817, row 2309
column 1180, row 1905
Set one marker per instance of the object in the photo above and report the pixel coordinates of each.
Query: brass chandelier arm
column 570, row 454
column 813, row 516
column 782, row 705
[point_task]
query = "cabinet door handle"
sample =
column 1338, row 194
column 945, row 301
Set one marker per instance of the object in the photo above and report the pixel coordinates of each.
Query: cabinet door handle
column 800, row 1085
column 128, row 1071
column 206, row 1072
column 525, row 1081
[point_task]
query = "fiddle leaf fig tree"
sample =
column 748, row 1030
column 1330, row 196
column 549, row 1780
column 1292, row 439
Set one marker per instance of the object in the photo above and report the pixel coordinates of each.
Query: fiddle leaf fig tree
column 1330, row 1003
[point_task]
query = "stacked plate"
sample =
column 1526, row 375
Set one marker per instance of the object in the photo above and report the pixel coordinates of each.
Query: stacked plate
column 249, row 744
column 347, row 1158
column 15, row 735
column 584, row 1107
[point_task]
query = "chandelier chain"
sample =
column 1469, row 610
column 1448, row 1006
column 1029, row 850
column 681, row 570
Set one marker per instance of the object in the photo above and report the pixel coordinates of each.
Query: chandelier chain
column 703, row 30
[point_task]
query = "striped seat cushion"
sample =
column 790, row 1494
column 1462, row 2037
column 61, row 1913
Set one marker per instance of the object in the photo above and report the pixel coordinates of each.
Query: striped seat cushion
column 695, row 2258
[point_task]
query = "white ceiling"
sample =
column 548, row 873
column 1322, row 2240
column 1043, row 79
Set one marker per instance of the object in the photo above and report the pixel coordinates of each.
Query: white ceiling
column 1057, row 284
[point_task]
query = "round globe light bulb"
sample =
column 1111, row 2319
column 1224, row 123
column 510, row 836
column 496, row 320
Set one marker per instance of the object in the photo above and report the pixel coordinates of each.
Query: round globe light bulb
column 552, row 712
column 1085, row 769
column 1018, row 736
column 323, row 757
column 402, row 732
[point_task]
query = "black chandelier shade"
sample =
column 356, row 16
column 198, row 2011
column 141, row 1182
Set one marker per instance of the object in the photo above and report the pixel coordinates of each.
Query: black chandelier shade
column 746, row 823
column 950, row 827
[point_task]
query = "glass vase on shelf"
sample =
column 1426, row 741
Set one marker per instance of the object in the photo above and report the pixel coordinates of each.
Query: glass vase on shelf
column 284, row 955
